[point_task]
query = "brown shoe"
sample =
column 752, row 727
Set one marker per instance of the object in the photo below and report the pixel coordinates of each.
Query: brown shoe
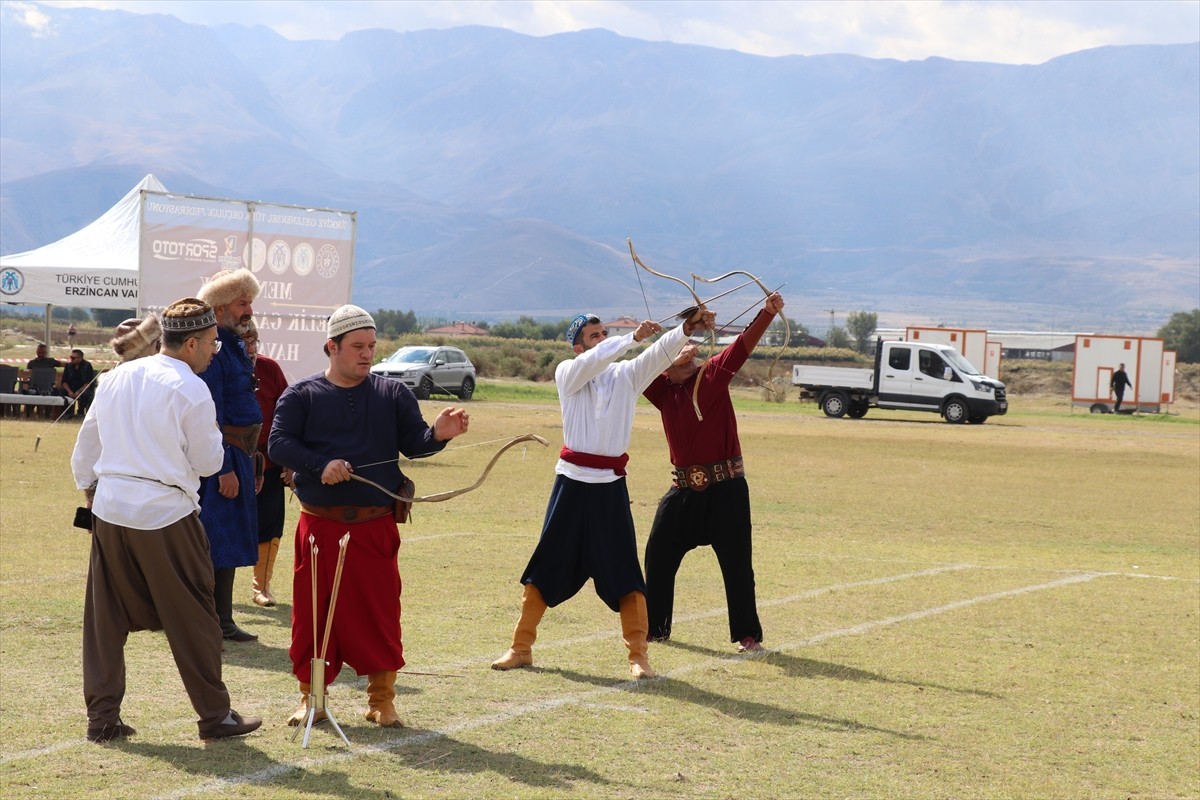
column 109, row 731
column 233, row 725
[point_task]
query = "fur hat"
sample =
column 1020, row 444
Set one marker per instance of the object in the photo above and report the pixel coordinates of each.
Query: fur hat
column 136, row 338
column 348, row 318
column 228, row 285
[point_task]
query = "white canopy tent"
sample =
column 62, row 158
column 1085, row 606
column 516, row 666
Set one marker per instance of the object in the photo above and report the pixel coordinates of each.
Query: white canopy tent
column 95, row 267
column 152, row 247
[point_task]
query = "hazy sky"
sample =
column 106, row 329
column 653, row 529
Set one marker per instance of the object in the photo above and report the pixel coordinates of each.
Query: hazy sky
column 1005, row 31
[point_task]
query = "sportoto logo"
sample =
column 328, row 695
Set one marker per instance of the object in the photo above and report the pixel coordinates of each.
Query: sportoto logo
column 204, row 250
column 11, row 281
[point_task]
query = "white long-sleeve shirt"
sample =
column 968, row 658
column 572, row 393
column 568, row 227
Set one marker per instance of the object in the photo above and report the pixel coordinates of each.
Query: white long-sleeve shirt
column 149, row 437
column 598, row 395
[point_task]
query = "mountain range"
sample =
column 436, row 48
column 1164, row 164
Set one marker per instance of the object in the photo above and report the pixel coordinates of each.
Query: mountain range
column 497, row 174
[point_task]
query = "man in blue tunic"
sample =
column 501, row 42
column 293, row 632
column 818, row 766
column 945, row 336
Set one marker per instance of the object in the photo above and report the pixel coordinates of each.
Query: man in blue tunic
column 227, row 506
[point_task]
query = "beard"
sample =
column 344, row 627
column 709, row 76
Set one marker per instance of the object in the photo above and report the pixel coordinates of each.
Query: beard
column 242, row 326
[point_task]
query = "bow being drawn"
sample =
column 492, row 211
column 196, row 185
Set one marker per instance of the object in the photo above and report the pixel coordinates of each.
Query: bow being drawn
column 684, row 315
column 787, row 329
column 440, row 496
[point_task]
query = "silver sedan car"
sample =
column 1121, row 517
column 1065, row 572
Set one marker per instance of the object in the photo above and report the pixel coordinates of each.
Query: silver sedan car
column 429, row 370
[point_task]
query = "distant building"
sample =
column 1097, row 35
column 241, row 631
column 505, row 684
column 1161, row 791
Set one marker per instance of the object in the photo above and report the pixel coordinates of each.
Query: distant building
column 459, row 329
column 622, row 326
column 1037, row 345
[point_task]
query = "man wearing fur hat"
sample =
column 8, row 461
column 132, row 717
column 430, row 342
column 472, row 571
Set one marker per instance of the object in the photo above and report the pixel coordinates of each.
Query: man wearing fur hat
column 141, row 452
column 136, row 338
column 324, row 426
column 227, row 505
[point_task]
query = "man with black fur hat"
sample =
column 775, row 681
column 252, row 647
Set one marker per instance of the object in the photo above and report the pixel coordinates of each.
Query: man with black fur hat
column 141, row 452
column 324, row 426
column 227, row 505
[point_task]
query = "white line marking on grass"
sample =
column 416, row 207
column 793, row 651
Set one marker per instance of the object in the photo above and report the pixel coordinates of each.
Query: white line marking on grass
column 715, row 612
column 595, row 637
column 548, row 704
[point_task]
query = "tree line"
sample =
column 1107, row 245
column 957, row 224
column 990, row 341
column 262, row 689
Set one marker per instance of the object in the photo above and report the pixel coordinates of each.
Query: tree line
column 1181, row 332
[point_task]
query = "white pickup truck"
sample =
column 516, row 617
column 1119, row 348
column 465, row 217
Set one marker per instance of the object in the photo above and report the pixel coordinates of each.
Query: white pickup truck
column 910, row 376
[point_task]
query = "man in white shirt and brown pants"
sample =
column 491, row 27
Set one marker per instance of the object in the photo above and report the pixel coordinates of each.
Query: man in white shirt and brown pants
column 149, row 437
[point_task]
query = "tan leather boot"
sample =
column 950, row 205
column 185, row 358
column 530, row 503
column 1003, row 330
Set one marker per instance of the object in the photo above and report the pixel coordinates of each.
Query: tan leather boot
column 381, row 691
column 260, row 575
column 270, row 571
column 635, row 624
column 300, row 715
column 521, row 652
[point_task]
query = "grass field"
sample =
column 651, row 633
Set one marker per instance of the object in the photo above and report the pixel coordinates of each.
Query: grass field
column 1009, row 610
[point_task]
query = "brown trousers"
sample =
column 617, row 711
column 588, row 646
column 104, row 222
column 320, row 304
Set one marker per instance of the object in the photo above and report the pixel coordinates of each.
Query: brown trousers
column 151, row 580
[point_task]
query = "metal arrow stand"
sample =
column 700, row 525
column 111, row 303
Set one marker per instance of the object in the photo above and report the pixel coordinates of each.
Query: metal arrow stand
column 317, row 700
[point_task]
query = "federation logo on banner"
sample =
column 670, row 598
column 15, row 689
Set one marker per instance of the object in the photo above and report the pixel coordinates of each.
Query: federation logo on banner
column 303, row 259
column 279, row 256
column 11, row 281
column 328, row 261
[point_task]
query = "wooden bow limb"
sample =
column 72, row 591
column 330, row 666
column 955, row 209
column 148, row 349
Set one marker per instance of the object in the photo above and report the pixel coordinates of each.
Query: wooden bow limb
column 441, row 496
column 787, row 329
column 698, row 307
column 337, row 583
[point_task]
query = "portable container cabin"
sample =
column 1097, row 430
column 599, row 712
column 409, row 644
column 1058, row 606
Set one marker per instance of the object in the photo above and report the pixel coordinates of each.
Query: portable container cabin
column 1151, row 370
column 973, row 344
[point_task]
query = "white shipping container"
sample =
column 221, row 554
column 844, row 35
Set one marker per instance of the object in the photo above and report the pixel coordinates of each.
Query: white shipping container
column 973, row 344
column 1098, row 357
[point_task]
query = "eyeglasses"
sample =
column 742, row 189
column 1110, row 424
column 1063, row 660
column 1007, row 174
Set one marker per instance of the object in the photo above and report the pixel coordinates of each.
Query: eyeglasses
column 216, row 343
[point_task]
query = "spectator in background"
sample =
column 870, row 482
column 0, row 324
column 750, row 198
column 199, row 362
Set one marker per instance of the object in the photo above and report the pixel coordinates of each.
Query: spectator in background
column 1118, row 383
column 269, row 385
column 78, row 383
column 41, row 360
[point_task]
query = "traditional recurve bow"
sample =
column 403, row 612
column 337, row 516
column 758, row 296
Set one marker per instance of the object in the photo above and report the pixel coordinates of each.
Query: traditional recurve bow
column 441, row 496
column 787, row 329
column 685, row 315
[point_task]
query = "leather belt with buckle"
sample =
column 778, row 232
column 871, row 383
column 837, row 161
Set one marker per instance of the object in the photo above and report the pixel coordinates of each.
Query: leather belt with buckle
column 699, row 477
column 347, row 513
column 243, row 437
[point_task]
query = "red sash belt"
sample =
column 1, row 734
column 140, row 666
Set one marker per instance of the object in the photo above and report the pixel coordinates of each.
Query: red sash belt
column 615, row 463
